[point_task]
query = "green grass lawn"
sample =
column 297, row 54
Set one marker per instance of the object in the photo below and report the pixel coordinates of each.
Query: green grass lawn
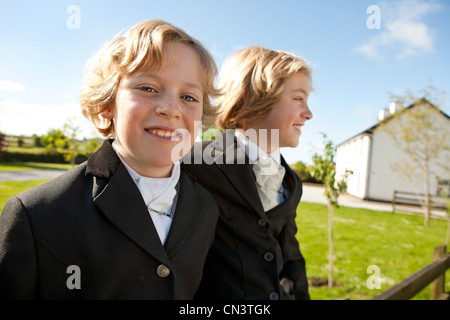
column 398, row 244
column 10, row 188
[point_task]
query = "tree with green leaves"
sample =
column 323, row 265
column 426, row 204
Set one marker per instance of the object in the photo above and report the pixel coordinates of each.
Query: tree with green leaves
column 63, row 140
column 324, row 169
column 419, row 132
column 55, row 141
column 91, row 146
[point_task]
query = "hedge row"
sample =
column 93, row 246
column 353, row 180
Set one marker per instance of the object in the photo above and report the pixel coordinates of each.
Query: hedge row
column 38, row 157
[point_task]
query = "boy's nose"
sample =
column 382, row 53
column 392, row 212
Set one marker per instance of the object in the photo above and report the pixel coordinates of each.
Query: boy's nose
column 169, row 107
column 307, row 114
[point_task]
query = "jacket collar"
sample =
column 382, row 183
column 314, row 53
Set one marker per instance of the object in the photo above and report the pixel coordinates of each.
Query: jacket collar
column 117, row 196
column 240, row 173
column 104, row 162
column 234, row 163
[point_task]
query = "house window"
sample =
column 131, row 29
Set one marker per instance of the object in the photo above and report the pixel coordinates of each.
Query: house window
column 443, row 188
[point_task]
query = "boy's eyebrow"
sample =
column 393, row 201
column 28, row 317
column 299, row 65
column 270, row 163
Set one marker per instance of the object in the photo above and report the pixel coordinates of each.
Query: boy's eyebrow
column 300, row 90
column 194, row 85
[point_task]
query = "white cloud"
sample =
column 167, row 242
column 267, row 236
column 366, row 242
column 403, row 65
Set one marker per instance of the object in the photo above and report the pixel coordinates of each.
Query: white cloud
column 11, row 86
column 18, row 118
column 403, row 33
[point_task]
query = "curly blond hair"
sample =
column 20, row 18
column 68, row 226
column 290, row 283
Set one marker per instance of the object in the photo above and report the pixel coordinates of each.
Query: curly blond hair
column 141, row 48
column 252, row 82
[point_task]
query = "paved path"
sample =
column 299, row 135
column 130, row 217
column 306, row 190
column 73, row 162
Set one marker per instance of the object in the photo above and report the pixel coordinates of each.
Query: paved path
column 29, row 175
column 314, row 193
column 311, row 193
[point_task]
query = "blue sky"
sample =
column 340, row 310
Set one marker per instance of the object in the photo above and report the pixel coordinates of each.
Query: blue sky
column 42, row 59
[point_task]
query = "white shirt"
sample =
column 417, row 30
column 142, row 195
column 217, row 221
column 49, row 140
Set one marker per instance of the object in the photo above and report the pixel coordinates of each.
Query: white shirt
column 159, row 195
column 254, row 152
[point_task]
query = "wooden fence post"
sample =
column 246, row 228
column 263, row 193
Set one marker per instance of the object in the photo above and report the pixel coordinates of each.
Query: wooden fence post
column 437, row 286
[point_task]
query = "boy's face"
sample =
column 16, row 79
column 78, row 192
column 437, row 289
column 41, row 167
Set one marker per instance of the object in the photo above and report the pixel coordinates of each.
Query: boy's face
column 288, row 115
column 152, row 108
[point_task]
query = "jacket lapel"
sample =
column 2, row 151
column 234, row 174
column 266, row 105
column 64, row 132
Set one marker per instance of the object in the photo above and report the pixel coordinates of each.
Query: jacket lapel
column 121, row 201
column 234, row 163
column 294, row 183
column 188, row 213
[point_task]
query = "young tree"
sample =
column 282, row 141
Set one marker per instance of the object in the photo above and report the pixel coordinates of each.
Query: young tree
column 71, row 132
column 419, row 133
column 3, row 143
column 36, row 141
column 63, row 141
column 20, row 142
column 302, row 171
column 55, row 141
column 324, row 169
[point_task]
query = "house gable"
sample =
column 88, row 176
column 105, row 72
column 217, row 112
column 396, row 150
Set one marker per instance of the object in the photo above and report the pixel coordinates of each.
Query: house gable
column 373, row 176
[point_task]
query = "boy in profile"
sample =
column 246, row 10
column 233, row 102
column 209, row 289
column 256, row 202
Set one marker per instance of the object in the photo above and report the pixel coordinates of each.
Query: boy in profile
column 264, row 106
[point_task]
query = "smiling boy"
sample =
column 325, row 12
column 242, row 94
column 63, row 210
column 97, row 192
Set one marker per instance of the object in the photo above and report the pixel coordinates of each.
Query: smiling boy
column 264, row 106
column 131, row 220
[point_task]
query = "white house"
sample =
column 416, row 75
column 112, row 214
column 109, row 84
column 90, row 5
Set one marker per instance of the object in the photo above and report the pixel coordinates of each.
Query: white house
column 369, row 155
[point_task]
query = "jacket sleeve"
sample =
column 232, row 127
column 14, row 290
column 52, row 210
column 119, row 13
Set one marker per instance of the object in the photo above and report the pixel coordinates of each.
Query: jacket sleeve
column 18, row 269
column 294, row 268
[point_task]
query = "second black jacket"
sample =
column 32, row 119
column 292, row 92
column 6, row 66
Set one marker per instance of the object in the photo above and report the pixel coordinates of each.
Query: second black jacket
column 253, row 250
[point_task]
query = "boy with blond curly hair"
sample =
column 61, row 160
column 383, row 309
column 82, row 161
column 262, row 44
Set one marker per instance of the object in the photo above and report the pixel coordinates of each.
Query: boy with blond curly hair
column 129, row 223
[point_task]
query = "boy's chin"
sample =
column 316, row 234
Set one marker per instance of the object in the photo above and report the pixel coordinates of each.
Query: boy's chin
column 290, row 144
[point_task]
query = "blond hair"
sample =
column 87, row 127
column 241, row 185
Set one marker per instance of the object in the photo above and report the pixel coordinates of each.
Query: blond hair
column 141, row 48
column 252, row 81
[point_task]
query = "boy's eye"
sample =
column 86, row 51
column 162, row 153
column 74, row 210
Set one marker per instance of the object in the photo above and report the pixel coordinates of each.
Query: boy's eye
column 147, row 89
column 188, row 98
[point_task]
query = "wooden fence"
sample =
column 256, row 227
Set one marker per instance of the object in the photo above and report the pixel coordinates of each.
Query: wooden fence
column 415, row 199
column 433, row 273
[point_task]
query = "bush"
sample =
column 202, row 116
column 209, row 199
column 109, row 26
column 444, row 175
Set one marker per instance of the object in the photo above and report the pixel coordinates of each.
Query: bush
column 39, row 157
column 3, row 145
column 301, row 170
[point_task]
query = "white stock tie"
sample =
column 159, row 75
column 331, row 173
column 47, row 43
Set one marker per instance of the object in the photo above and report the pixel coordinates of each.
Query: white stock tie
column 269, row 176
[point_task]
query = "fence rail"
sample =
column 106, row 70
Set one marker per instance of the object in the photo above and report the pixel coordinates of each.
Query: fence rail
column 433, row 273
column 415, row 199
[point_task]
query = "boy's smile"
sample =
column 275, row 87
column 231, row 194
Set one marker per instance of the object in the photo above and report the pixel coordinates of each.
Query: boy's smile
column 154, row 109
column 166, row 134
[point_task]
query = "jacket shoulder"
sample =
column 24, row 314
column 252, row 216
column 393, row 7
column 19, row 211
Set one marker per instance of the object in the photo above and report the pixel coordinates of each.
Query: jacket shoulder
column 62, row 186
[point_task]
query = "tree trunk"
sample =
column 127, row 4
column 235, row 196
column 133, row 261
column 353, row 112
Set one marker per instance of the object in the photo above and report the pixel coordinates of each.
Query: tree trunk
column 330, row 246
column 427, row 194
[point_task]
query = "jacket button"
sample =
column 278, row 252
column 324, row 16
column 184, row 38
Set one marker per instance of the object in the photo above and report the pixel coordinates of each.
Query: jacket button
column 273, row 296
column 262, row 222
column 268, row 256
column 162, row 271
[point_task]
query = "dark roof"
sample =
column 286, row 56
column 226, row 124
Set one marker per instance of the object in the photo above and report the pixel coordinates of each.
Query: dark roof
column 416, row 103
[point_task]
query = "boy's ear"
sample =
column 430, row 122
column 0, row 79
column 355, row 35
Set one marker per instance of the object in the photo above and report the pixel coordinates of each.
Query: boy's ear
column 107, row 113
